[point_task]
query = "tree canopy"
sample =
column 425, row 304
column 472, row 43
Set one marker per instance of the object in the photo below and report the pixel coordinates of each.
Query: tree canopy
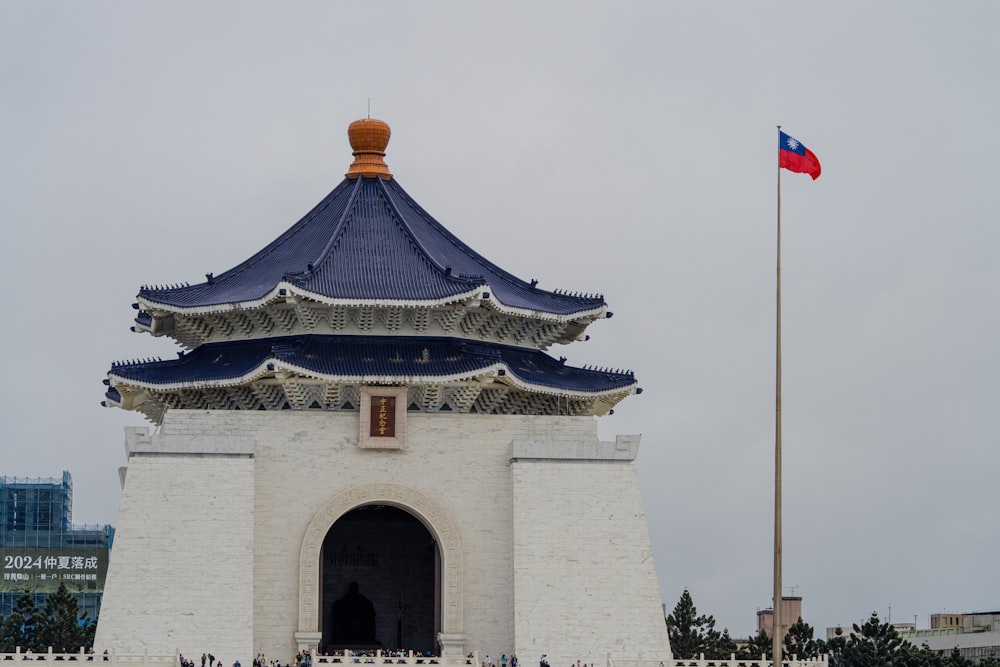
column 692, row 635
column 59, row 625
column 877, row 644
column 872, row 644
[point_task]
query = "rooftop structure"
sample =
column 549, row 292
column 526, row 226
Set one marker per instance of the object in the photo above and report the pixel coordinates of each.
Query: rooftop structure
column 791, row 612
column 33, row 509
column 367, row 267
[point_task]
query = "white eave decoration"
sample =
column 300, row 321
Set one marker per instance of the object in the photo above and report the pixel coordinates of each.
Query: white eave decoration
column 271, row 366
column 284, row 290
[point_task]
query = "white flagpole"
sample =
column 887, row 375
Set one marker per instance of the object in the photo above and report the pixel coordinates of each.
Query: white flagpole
column 776, row 627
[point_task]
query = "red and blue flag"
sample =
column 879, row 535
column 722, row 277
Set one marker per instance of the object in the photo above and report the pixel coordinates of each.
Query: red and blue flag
column 794, row 156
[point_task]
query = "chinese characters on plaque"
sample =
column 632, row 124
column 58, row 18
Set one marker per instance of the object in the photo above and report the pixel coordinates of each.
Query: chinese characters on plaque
column 383, row 417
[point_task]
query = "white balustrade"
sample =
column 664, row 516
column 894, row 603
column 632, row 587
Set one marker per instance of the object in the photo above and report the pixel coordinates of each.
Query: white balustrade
column 363, row 659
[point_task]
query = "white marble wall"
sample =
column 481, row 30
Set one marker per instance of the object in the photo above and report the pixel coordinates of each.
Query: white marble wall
column 180, row 577
column 230, row 529
column 584, row 581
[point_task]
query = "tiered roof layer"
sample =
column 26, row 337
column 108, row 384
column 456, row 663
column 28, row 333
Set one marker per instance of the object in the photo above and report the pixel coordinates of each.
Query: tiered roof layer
column 369, row 261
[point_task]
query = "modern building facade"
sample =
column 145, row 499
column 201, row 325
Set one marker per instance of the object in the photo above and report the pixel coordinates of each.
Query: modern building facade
column 40, row 548
column 364, row 444
column 976, row 635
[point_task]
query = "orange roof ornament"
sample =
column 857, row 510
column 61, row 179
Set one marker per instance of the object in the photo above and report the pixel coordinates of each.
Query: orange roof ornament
column 368, row 138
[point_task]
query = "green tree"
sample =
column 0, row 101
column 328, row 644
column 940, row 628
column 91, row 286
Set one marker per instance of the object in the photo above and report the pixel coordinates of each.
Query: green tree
column 60, row 626
column 877, row 644
column 835, row 646
column 955, row 659
column 691, row 634
column 724, row 646
column 989, row 661
column 800, row 643
column 88, row 628
column 19, row 628
column 759, row 645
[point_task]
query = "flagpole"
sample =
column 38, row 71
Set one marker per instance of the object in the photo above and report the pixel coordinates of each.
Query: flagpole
column 776, row 627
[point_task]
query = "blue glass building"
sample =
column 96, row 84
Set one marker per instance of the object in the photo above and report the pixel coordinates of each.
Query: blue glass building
column 41, row 548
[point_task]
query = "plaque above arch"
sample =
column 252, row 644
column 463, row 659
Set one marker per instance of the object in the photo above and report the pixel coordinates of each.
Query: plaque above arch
column 428, row 512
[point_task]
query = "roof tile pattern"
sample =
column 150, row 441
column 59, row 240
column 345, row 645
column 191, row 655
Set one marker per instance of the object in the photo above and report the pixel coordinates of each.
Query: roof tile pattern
column 368, row 240
column 368, row 357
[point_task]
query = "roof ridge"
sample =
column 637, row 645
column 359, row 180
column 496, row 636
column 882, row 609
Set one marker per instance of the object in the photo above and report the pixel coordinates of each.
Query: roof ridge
column 338, row 229
column 298, row 227
column 446, row 271
column 474, row 255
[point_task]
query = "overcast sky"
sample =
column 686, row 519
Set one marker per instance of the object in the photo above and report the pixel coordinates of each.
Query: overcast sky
column 622, row 148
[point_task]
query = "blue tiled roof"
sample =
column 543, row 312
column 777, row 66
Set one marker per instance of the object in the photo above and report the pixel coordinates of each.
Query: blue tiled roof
column 368, row 240
column 369, row 357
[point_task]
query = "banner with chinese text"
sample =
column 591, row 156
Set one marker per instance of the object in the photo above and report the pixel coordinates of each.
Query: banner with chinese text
column 42, row 570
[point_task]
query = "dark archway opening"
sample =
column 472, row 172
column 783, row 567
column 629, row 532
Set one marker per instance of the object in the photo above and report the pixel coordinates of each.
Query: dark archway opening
column 380, row 582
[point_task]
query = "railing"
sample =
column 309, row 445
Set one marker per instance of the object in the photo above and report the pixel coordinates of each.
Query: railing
column 106, row 659
column 7, row 479
column 346, row 659
column 378, row 658
column 731, row 661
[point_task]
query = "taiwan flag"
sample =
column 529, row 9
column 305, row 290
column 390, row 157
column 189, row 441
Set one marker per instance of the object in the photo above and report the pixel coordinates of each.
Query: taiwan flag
column 793, row 156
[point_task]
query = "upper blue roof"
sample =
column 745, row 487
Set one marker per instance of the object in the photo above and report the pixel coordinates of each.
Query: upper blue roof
column 368, row 240
column 368, row 357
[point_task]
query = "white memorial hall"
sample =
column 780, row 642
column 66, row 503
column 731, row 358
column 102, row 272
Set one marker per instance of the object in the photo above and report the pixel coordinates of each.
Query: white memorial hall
column 364, row 444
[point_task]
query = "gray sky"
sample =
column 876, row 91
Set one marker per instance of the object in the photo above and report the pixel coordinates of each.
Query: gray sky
column 622, row 148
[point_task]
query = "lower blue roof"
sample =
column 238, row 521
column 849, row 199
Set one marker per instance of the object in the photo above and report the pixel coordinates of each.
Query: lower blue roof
column 368, row 357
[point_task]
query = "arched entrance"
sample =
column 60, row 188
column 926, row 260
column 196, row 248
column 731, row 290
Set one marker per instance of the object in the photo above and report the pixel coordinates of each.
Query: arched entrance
column 448, row 582
column 379, row 577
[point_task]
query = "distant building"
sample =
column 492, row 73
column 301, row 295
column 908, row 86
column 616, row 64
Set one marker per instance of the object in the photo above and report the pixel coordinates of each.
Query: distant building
column 41, row 548
column 975, row 635
column 848, row 630
column 942, row 621
column 791, row 611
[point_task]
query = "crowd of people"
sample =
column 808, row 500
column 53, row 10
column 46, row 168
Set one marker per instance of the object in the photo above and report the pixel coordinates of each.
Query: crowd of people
column 207, row 660
column 504, row 661
column 366, row 656
column 302, row 659
column 512, row 662
column 544, row 662
column 305, row 659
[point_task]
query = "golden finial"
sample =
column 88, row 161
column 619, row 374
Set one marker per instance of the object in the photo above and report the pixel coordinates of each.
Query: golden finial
column 368, row 138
